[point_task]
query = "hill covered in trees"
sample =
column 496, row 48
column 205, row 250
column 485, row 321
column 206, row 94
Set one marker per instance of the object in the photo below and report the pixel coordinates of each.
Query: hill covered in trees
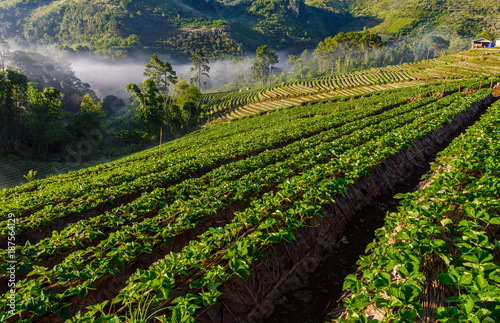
column 225, row 28
column 117, row 27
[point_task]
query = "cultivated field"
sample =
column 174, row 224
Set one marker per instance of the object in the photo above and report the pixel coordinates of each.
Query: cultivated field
column 235, row 215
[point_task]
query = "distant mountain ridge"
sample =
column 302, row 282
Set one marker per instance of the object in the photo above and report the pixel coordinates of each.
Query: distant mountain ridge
column 229, row 27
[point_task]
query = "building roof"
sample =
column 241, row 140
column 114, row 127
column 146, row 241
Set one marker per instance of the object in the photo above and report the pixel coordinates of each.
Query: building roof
column 482, row 40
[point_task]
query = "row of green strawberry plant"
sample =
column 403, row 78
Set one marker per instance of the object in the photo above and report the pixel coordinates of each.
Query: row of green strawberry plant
column 127, row 247
column 28, row 255
column 111, row 173
column 285, row 167
column 443, row 234
column 95, row 197
column 103, row 170
column 223, row 252
column 91, row 196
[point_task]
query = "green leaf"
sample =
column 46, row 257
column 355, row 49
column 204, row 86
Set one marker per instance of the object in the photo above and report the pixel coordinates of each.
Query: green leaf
column 453, row 299
column 188, row 319
column 469, row 306
column 465, row 279
column 192, row 309
column 481, row 282
column 445, row 278
column 242, row 272
column 495, row 220
column 469, row 211
column 443, row 314
column 382, row 302
column 411, row 291
column 64, row 313
column 445, row 222
column 156, row 284
column 382, row 280
column 213, row 286
column 176, row 315
column 408, row 315
column 83, row 292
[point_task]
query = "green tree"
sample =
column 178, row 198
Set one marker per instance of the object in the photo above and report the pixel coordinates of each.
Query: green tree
column 155, row 108
column 188, row 100
column 200, row 67
column 292, row 61
column 298, row 63
column 437, row 44
column 47, row 72
column 346, row 48
column 161, row 73
column 485, row 34
column 151, row 107
column 129, row 137
column 89, row 117
column 111, row 104
column 264, row 63
column 13, row 86
column 44, row 118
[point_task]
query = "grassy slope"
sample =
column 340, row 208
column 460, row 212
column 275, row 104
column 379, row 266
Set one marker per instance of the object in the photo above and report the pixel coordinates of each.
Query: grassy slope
column 462, row 17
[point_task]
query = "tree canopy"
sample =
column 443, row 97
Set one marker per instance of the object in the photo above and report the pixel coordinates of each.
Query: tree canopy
column 161, row 73
column 264, row 63
column 485, row 34
column 333, row 51
column 200, row 68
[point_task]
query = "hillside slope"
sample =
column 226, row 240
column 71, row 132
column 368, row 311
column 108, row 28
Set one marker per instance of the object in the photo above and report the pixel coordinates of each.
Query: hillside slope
column 175, row 26
column 462, row 18
column 227, row 28
column 229, row 217
column 470, row 64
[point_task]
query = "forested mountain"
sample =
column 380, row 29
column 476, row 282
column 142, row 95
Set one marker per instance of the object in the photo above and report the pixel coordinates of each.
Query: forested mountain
column 229, row 27
column 117, row 27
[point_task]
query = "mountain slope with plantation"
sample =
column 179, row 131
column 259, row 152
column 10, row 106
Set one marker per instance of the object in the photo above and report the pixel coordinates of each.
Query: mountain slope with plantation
column 232, row 217
column 470, row 64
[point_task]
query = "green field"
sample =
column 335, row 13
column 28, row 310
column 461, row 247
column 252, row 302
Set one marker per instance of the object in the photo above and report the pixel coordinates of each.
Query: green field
column 216, row 228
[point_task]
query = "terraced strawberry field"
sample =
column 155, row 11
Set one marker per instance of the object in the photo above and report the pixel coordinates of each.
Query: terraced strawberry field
column 171, row 238
column 471, row 64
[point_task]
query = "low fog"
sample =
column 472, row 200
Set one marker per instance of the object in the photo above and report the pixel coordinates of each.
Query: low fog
column 106, row 78
column 111, row 78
